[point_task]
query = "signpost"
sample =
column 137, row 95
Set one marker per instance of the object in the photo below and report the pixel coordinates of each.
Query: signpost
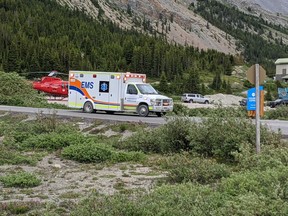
column 256, row 75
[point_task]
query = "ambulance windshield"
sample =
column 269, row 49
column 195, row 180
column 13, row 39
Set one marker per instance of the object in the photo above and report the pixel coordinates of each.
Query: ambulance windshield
column 146, row 89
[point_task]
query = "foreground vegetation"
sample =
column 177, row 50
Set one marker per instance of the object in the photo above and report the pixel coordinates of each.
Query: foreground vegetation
column 211, row 166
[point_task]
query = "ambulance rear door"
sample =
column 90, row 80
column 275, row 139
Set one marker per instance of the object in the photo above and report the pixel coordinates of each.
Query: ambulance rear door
column 115, row 92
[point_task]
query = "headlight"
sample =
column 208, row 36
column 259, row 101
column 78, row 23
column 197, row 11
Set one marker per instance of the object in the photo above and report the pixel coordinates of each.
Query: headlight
column 152, row 101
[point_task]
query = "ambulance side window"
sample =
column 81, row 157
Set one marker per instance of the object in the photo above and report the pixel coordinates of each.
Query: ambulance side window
column 131, row 89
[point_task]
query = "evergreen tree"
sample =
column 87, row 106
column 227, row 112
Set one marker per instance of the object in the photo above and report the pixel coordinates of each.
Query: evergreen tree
column 163, row 85
column 228, row 88
column 203, row 89
column 217, row 82
column 268, row 95
column 193, row 81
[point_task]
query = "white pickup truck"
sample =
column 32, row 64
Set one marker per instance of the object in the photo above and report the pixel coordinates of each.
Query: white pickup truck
column 194, row 98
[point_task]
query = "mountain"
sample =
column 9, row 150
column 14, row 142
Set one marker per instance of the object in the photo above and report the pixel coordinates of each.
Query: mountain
column 179, row 38
column 166, row 17
column 275, row 11
column 255, row 29
column 177, row 20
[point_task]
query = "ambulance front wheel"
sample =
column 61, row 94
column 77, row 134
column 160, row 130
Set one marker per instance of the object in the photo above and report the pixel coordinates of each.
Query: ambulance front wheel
column 143, row 110
column 88, row 107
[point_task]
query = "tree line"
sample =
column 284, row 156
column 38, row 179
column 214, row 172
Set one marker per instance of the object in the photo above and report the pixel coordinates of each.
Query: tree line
column 43, row 36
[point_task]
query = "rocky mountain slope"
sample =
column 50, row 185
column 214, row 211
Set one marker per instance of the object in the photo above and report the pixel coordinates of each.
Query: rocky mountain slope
column 174, row 19
column 275, row 11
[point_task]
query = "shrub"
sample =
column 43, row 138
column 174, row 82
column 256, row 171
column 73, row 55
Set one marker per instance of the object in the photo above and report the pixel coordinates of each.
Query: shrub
column 54, row 140
column 19, row 208
column 277, row 113
column 271, row 183
column 220, row 138
column 242, row 194
column 22, row 179
column 214, row 137
column 16, row 133
column 17, row 91
column 147, row 141
column 269, row 158
column 118, row 157
column 11, row 157
column 180, row 109
column 97, row 153
column 184, row 168
column 172, row 137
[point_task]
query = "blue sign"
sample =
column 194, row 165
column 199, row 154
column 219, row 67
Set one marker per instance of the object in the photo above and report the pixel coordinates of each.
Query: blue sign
column 251, row 98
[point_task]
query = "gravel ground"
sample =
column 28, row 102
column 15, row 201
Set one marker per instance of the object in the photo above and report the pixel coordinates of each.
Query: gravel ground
column 217, row 100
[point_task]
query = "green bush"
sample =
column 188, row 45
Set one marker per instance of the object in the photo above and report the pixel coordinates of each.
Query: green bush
column 17, row 91
column 180, row 109
column 18, row 132
column 271, row 183
column 184, row 168
column 118, row 157
column 96, row 153
column 250, row 193
column 213, row 137
column 269, row 158
column 8, row 156
column 22, row 179
column 18, row 208
column 172, row 137
column 277, row 113
column 220, row 138
column 54, row 140
column 146, row 141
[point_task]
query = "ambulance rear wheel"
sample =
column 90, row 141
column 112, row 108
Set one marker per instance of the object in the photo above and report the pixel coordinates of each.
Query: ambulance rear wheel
column 143, row 110
column 88, row 107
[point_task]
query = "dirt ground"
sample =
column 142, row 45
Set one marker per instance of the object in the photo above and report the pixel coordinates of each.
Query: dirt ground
column 65, row 179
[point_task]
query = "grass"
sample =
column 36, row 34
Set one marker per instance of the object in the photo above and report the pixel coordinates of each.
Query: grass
column 70, row 195
column 8, row 156
column 22, row 180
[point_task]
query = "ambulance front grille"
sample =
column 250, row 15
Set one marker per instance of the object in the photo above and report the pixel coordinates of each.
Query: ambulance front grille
column 163, row 102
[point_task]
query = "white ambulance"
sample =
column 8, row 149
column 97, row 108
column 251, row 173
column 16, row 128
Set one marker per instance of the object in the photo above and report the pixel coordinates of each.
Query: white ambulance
column 115, row 92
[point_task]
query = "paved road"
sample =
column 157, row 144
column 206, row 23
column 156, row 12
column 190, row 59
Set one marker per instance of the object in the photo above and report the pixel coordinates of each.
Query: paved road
column 153, row 120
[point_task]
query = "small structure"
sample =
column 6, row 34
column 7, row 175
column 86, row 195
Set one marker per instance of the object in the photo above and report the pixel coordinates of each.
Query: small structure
column 282, row 69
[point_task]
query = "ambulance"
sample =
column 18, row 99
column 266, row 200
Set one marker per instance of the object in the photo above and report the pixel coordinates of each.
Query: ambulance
column 115, row 92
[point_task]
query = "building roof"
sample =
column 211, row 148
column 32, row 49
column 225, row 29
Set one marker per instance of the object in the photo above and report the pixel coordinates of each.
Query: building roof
column 281, row 61
column 285, row 77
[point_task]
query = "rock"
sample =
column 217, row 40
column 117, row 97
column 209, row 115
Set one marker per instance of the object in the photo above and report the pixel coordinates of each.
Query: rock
column 57, row 166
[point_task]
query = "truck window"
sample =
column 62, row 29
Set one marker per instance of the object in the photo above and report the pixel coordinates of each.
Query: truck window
column 131, row 89
column 146, row 89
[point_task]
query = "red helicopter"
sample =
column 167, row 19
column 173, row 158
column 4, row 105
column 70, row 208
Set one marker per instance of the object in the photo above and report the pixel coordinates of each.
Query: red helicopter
column 52, row 85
